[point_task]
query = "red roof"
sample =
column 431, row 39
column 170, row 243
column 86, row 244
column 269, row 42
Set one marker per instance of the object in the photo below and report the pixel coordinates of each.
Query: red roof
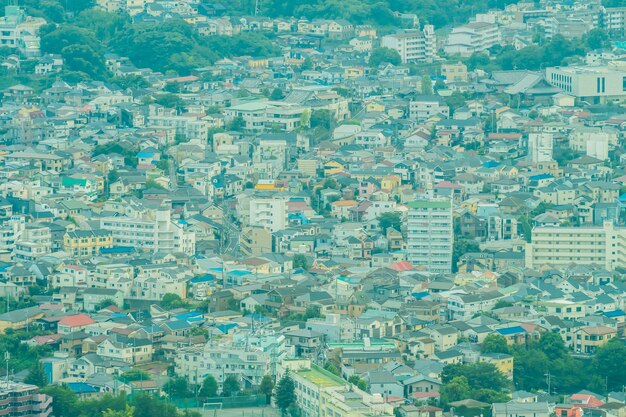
column 431, row 394
column 76, row 320
column 401, row 266
column 586, row 401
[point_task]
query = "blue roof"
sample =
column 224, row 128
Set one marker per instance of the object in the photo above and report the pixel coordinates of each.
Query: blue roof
column 224, row 328
column 511, row 330
column 189, row 315
column 178, row 324
column 239, row 272
column 615, row 313
column 202, row 278
column 491, row 164
column 540, row 177
column 622, row 197
column 258, row 317
column 144, row 154
column 419, row 295
column 81, row 387
column 118, row 249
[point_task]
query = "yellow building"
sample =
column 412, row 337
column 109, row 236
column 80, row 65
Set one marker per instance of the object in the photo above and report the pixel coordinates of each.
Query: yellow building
column 454, row 72
column 19, row 319
column 589, row 338
column 390, row 182
column 333, row 167
column 502, row 361
column 85, row 243
column 354, row 72
column 374, row 106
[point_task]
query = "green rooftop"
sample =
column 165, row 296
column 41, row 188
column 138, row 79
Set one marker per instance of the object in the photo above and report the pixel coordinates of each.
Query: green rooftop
column 425, row 204
column 321, row 377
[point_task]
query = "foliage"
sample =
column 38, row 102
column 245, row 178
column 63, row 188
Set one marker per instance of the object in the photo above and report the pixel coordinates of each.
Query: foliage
column 300, row 262
column 461, row 247
column 277, row 94
column 494, row 343
column 382, row 55
column 389, row 219
column 171, row 301
column 479, row 375
column 609, row 363
column 105, row 303
column 266, row 386
column 135, row 375
column 36, row 375
column 552, row 53
column 455, row 390
column 322, row 119
column 178, row 387
column 129, row 411
column 426, row 85
column 231, row 386
column 332, row 368
column 285, row 393
column 360, row 383
column 238, row 124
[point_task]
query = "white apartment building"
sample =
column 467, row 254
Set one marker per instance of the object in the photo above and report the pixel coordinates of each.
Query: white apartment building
column 320, row 393
column 413, row 46
column 188, row 127
column 614, row 19
column 425, row 107
column 132, row 7
column 248, row 362
column 472, row 37
column 19, row 31
column 371, row 139
column 269, row 212
column 593, row 141
column 540, row 147
column 560, row 246
column 151, row 231
column 430, row 235
column 261, row 115
column 592, row 84
column 34, row 242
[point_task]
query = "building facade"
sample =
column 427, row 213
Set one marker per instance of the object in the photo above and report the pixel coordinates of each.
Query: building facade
column 430, row 235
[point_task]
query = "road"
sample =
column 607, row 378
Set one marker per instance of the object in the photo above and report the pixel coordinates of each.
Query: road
column 231, row 237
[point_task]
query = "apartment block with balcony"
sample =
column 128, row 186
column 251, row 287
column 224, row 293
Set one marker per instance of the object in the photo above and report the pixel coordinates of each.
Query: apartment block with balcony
column 472, row 37
column 430, row 235
column 34, row 242
column 269, row 212
column 86, row 243
column 413, row 46
column 23, row 400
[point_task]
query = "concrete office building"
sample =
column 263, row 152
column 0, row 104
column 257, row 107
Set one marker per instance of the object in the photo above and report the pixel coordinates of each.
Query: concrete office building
column 472, row 37
column 599, row 84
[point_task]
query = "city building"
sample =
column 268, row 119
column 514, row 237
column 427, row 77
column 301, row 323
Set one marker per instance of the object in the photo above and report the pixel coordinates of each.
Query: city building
column 473, row 37
column 23, row 400
column 413, row 46
column 430, row 235
column 540, row 147
column 599, row 84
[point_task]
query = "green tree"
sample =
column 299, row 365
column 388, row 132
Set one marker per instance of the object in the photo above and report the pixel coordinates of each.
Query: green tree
column 552, row 345
column 427, row 85
column 129, row 411
column 382, row 55
column 360, row 383
column 178, row 387
column 300, row 262
column 105, row 303
column 238, row 124
column 231, row 386
column 490, row 396
column 171, row 101
column 596, row 39
column 609, row 363
column 456, row 389
column 332, row 368
column 37, row 375
column 322, row 118
column 277, row 94
column 170, row 301
column 529, row 368
column 479, row 375
column 208, row 388
column 266, row 387
column 494, row 343
column 135, row 375
column 461, row 247
column 64, row 401
column 285, row 393
column 389, row 219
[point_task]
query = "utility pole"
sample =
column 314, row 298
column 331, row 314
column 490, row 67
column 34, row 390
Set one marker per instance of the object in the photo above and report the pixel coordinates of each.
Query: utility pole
column 7, row 357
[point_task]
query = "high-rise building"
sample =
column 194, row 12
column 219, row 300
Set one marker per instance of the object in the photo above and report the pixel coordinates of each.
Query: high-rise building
column 414, row 45
column 540, row 147
column 430, row 235
column 23, row 400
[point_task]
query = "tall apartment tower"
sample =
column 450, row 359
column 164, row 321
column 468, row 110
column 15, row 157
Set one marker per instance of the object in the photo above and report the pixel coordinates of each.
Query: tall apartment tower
column 430, row 235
